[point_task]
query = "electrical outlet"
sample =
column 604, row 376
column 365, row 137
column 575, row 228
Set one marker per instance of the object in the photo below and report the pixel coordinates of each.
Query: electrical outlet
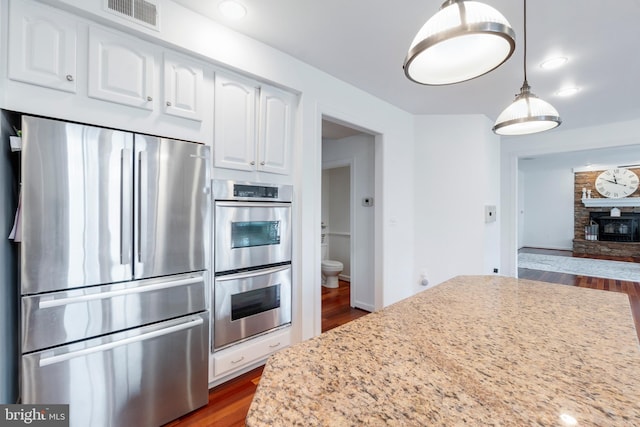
column 495, row 270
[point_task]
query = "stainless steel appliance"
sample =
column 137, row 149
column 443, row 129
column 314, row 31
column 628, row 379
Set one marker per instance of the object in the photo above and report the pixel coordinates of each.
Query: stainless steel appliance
column 114, row 315
column 252, row 225
column 252, row 259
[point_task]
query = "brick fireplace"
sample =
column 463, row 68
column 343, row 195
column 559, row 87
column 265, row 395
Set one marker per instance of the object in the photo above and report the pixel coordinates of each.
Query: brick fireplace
column 583, row 216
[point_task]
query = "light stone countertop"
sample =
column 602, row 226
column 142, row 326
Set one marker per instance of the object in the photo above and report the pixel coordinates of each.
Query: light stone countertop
column 473, row 351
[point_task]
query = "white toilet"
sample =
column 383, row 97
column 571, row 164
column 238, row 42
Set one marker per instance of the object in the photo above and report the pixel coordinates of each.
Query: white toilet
column 330, row 269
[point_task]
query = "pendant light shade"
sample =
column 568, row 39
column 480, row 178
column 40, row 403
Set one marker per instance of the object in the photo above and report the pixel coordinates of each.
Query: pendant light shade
column 527, row 114
column 464, row 40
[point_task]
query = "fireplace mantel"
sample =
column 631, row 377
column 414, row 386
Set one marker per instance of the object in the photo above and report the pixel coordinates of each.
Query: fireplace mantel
column 617, row 203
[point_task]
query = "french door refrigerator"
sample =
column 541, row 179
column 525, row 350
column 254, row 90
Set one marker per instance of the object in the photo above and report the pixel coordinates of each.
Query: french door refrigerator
column 112, row 264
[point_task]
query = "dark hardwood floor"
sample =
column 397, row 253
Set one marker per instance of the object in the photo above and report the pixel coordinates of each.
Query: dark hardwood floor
column 336, row 308
column 229, row 402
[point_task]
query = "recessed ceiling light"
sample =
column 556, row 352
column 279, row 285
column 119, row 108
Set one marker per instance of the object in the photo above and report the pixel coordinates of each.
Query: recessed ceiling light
column 568, row 91
column 232, row 10
column 553, row 63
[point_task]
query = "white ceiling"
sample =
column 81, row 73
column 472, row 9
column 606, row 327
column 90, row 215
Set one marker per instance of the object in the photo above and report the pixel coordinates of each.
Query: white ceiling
column 364, row 42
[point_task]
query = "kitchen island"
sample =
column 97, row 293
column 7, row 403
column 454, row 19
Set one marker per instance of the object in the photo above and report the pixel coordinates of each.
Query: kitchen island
column 475, row 350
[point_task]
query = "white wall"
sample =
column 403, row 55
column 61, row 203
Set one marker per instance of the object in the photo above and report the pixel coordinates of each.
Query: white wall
column 456, row 176
column 548, row 209
column 359, row 152
column 557, row 141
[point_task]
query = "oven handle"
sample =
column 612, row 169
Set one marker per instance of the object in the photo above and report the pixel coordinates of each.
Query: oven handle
column 188, row 324
column 50, row 303
column 253, row 273
column 231, row 204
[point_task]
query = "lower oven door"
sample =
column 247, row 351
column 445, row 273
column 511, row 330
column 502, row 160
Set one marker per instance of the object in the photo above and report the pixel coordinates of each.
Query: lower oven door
column 146, row 376
column 250, row 303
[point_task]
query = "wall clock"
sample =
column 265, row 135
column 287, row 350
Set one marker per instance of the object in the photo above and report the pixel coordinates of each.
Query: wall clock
column 616, row 183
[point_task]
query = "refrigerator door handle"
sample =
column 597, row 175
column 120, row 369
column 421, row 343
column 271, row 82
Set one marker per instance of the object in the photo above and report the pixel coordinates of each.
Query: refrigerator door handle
column 111, row 294
column 125, row 206
column 45, row 361
column 142, row 211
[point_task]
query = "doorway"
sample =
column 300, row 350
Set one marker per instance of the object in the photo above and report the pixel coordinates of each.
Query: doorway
column 347, row 219
column 545, row 180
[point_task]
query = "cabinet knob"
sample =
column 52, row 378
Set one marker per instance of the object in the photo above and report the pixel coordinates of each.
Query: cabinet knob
column 252, row 163
column 149, row 98
column 69, row 78
column 168, row 103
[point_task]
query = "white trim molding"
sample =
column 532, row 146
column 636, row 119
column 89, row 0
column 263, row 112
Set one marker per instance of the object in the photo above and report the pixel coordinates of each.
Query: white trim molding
column 618, row 203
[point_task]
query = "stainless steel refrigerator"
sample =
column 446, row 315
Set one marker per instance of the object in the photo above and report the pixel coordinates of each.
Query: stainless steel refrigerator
column 112, row 265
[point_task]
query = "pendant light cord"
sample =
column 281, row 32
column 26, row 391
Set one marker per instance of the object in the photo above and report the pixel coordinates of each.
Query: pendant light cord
column 525, row 42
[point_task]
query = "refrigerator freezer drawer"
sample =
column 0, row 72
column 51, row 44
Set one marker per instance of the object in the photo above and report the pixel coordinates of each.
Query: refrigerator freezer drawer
column 54, row 319
column 142, row 377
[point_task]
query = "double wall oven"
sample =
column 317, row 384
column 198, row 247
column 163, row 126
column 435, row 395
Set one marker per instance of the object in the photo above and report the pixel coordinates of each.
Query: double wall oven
column 252, row 260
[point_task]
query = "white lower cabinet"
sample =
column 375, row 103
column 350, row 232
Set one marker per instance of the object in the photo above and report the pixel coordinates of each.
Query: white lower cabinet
column 243, row 354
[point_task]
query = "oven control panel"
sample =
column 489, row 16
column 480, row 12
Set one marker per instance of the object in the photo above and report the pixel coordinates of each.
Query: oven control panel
column 255, row 191
column 252, row 191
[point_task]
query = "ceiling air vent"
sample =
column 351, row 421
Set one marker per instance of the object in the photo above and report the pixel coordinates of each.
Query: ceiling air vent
column 140, row 11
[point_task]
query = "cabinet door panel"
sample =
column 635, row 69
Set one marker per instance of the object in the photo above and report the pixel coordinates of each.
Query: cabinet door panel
column 276, row 127
column 235, row 133
column 183, row 80
column 120, row 69
column 42, row 46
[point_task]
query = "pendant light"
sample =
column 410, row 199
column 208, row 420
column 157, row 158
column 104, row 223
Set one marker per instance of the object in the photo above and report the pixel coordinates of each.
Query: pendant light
column 528, row 113
column 464, row 40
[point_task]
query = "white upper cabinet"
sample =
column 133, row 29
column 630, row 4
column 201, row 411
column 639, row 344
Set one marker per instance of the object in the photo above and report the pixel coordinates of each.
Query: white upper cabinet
column 42, row 46
column 253, row 126
column 275, row 130
column 121, row 69
column 183, row 81
column 235, row 123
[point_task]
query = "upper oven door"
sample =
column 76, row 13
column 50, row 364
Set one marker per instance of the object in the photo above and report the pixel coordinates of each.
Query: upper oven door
column 251, row 234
